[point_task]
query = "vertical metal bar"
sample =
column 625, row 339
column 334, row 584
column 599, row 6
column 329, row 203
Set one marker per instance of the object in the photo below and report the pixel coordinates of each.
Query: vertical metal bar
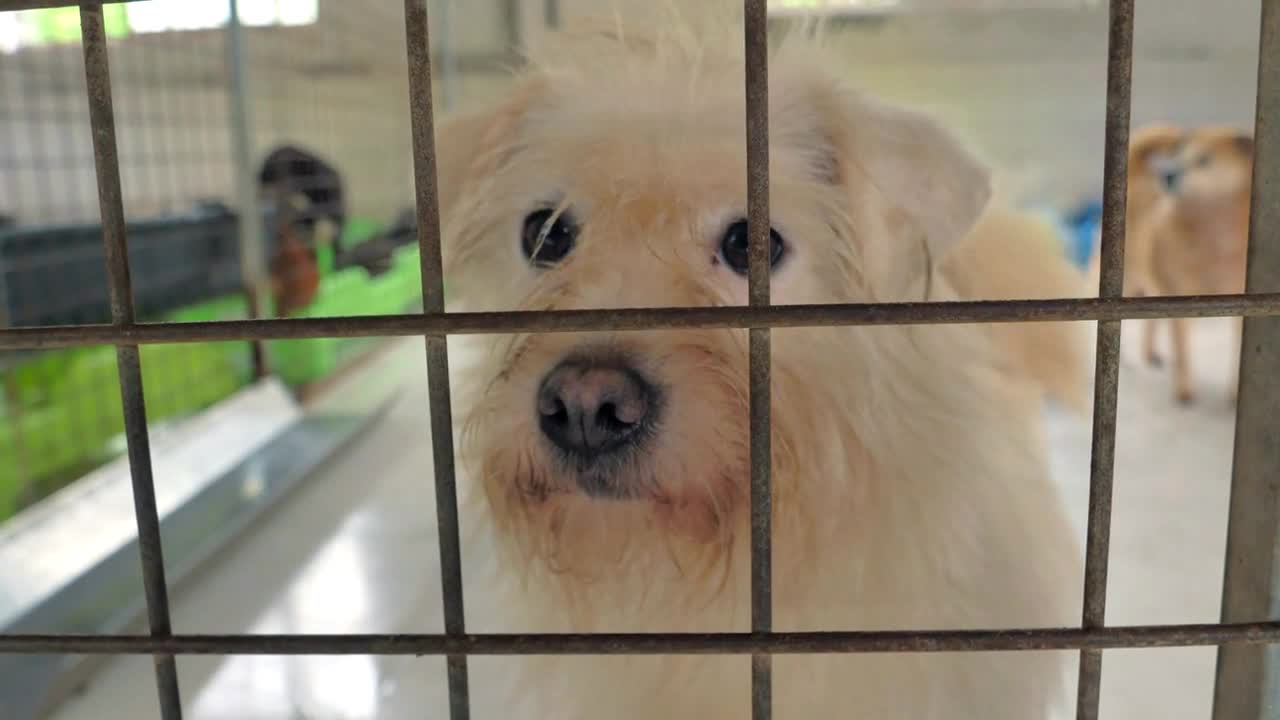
column 448, row 55
column 1107, row 374
column 252, row 249
column 551, row 13
column 755, row 31
column 1246, row 686
column 511, row 28
column 107, row 164
column 428, row 208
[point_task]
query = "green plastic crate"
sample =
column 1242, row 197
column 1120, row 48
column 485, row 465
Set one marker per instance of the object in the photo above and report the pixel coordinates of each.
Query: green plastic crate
column 348, row 292
column 60, row 412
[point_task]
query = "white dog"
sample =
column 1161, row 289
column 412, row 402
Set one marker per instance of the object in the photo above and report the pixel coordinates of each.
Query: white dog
column 605, row 475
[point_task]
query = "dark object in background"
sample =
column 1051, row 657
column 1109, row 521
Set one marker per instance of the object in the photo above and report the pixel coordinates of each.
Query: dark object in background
column 289, row 171
column 55, row 274
column 374, row 255
column 7, row 221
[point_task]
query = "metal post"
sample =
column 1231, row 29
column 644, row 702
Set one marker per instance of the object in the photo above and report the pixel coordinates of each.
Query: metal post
column 1107, row 363
column 116, row 246
column 448, row 54
column 417, row 38
column 1247, row 678
column 756, row 39
column 252, row 250
column 511, row 26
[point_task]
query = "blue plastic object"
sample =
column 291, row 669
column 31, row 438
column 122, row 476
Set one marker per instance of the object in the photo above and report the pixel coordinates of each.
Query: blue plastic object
column 1084, row 224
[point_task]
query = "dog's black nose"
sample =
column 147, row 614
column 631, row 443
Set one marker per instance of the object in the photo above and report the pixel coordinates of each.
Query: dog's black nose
column 1171, row 178
column 590, row 409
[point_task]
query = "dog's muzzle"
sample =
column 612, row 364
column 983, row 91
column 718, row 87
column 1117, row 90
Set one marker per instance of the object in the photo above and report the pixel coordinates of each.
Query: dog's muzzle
column 596, row 412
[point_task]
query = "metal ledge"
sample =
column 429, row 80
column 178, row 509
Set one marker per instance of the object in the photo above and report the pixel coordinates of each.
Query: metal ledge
column 70, row 564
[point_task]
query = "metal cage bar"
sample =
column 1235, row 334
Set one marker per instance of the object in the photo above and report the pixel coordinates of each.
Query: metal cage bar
column 1246, row 682
column 790, row 643
column 1262, row 336
column 632, row 319
column 253, row 253
column 428, row 209
column 115, row 242
column 7, row 5
column 1107, row 373
column 756, row 66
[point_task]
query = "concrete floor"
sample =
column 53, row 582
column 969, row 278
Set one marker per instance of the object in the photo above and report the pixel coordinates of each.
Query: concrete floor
column 354, row 551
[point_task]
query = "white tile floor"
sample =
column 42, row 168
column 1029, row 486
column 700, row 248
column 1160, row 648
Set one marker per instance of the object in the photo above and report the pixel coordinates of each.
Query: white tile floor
column 354, row 551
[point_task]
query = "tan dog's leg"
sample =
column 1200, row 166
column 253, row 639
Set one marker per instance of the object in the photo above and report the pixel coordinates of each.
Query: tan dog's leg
column 1149, row 352
column 1238, row 345
column 1182, row 391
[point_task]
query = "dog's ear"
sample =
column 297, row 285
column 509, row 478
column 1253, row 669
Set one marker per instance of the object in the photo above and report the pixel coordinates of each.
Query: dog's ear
column 474, row 144
column 1146, row 141
column 1244, row 143
column 922, row 173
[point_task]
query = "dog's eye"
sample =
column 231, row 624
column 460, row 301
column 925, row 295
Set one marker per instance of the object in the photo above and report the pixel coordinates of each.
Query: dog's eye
column 733, row 248
column 1204, row 160
column 548, row 237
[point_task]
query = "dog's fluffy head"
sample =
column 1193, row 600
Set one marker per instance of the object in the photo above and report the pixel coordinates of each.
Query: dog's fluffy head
column 637, row 141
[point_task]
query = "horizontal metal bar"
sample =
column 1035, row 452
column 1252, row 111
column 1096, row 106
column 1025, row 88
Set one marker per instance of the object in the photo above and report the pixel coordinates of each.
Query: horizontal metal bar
column 8, row 5
column 632, row 319
column 780, row 643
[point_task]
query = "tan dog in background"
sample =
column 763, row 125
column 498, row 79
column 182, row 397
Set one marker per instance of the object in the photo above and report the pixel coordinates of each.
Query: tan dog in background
column 1199, row 236
column 605, row 476
column 1012, row 255
column 1150, row 149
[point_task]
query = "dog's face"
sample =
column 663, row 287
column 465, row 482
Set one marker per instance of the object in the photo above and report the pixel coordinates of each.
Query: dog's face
column 621, row 182
column 1212, row 165
column 1151, row 149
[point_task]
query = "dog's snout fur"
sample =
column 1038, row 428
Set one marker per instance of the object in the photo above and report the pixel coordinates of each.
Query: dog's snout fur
column 594, row 409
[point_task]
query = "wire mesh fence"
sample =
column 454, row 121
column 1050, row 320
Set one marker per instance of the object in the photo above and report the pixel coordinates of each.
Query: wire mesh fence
column 1094, row 635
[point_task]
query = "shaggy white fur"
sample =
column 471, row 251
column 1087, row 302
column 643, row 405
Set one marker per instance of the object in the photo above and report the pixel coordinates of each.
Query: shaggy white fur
column 911, row 486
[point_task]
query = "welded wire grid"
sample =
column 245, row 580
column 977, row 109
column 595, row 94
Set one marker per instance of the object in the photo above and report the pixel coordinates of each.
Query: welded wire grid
column 1091, row 638
column 189, row 187
column 52, row 268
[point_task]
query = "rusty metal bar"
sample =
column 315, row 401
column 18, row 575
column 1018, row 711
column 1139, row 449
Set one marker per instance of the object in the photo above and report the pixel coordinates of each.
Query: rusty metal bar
column 1246, row 685
column 253, row 254
column 511, row 26
column 783, row 643
column 1107, row 362
column 632, row 319
column 115, row 243
column 428, row 208
column 8, row 5
column 756, row 60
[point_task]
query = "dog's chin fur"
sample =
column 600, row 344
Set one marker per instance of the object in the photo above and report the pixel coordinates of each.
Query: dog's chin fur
column 909, row 472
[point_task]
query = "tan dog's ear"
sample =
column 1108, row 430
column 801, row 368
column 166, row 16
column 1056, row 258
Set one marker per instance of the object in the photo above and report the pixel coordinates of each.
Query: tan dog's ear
column 1148, row 140
column 921, row 171
column 1244, row 143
